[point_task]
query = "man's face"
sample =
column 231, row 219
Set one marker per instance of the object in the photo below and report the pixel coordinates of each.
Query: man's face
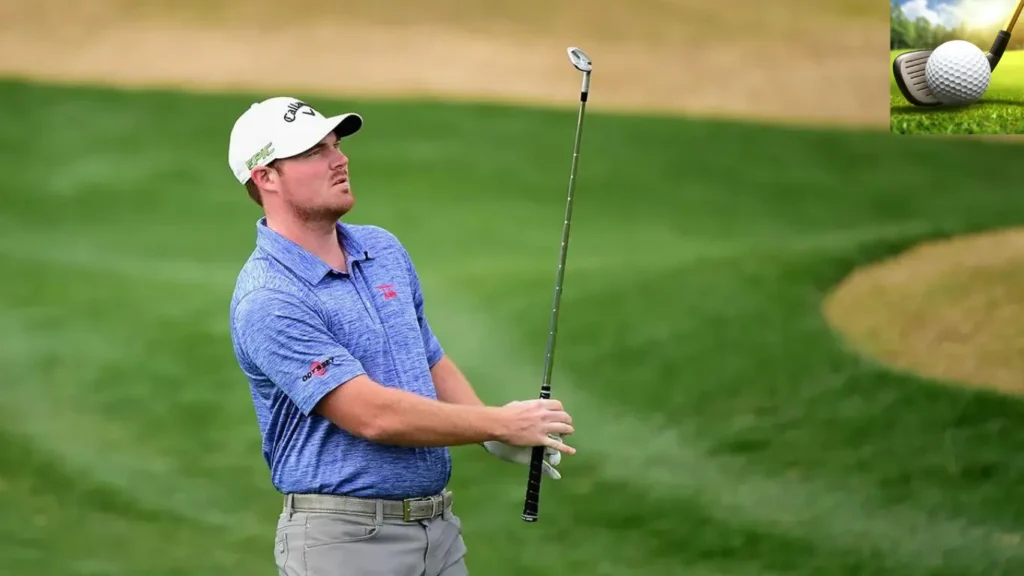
column 314, row 184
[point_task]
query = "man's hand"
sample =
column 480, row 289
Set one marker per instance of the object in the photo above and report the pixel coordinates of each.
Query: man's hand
column 530, row 423
column 523, row 454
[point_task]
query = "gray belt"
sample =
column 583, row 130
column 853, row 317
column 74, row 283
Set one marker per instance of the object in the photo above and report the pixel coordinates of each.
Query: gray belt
column 410, row 509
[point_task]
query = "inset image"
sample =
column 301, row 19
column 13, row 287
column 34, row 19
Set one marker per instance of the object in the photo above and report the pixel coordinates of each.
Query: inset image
column 957, row 68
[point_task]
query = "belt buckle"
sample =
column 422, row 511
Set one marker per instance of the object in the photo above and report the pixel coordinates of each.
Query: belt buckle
column 436, row 506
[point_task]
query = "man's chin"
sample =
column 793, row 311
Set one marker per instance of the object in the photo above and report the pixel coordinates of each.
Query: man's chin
column 343, row 208
column 344, row 201
column 328, row 213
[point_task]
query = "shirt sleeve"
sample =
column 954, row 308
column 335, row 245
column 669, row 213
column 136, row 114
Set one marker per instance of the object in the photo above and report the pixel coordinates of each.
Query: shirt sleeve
column 287, row 340
column 430, row 342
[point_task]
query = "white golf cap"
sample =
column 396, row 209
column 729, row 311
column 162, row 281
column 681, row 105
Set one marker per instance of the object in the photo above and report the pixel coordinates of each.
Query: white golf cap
column 278, row 128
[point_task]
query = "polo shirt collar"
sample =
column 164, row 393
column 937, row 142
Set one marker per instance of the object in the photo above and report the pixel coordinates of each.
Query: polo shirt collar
column 302, row 262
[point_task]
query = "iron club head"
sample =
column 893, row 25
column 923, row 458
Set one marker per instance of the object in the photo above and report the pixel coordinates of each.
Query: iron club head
column 579, row 59
column 908, row 70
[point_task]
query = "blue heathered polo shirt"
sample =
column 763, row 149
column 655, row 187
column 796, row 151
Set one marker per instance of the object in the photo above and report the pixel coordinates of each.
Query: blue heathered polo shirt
column 300, row 329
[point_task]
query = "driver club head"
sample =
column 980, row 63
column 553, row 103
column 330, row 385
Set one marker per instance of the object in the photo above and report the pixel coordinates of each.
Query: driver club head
column 908, row 70
column 579, row 59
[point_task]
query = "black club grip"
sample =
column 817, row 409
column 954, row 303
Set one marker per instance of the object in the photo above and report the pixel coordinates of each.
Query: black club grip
column 531, row 507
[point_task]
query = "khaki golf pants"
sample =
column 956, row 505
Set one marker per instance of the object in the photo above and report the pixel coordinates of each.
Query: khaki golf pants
column 320, row 538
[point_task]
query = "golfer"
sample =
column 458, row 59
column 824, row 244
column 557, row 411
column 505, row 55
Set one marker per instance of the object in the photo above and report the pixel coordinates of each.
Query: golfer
column 355, row 398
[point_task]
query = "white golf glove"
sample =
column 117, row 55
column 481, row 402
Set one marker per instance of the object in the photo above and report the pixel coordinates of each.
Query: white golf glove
column 523, row 454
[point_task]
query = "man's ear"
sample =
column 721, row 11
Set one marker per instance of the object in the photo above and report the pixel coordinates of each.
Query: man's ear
column 265, row 177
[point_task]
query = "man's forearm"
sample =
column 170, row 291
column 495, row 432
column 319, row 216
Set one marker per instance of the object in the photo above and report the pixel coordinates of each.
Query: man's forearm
column 411, row 420
column 393, row 416
column 451, row 385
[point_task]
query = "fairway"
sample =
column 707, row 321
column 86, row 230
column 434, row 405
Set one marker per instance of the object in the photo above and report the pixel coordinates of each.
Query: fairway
column 726, row 424
column 1000, row 110
column 722, row 428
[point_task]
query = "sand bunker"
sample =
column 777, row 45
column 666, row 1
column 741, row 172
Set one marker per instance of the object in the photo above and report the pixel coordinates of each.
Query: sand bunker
column 950, row 310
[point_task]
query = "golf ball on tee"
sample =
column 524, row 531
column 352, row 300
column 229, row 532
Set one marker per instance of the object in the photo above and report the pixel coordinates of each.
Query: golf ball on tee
column 957, row 72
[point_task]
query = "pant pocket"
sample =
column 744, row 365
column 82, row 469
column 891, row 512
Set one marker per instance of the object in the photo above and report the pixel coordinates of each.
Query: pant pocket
column 333, row 529
column 337, row 545
column 282, row 553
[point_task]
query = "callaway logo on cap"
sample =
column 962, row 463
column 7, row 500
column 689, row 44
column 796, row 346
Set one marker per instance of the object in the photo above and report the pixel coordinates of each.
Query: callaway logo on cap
column 279, row 128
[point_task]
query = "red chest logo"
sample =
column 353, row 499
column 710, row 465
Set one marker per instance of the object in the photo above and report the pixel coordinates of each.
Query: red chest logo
column 388, row 290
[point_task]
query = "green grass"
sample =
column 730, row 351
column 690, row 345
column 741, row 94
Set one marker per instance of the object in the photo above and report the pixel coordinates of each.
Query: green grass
column 999, row 111
column 723, row 430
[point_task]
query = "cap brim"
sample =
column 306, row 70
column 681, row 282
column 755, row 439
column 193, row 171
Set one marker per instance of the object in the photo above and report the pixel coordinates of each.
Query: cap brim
column 342, row 126
column 346, row 124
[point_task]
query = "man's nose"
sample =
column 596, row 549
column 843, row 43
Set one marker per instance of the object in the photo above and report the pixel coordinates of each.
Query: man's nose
column 340, row 158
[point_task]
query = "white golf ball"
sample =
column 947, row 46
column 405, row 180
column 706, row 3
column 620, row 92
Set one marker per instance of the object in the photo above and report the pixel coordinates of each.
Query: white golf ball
column 957, row 72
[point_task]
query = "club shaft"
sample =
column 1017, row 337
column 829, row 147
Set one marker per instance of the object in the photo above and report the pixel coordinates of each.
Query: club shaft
column 563, row 253
column 532, row 503
column 1013, row 19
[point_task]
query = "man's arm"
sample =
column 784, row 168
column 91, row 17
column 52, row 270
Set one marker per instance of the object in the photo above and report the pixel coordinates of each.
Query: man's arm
column 392, row 416
column 286, row 339
column 451, row 384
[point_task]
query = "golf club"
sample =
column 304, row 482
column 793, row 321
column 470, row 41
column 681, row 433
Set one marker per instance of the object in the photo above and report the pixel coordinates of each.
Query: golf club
column 531, row 507
column 908, row 68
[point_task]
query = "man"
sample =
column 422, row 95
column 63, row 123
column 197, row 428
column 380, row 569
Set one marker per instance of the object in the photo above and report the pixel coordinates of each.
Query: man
column 355, row 398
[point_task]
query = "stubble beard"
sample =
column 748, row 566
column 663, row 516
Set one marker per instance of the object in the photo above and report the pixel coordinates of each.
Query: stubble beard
column 331, row 212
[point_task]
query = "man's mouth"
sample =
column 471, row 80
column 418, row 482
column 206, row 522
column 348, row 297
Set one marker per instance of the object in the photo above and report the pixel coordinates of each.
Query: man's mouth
column 340, row 179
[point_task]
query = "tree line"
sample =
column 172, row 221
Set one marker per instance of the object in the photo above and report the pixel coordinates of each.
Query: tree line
column 920, row 34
